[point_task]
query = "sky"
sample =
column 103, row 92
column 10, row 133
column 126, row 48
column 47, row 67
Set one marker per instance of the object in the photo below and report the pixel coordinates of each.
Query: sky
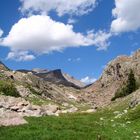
column 78, row 36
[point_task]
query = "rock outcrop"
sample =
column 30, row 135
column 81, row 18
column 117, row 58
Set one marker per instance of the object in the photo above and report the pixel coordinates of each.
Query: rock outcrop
column 114, row 77
column 12, row 110
column 135, row 99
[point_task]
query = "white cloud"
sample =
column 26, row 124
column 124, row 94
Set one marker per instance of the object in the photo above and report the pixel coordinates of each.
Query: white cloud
column 127, row 17
column 20, row 56
column 100, row 39
column 88, row 80
column 1, row 32
column 40, row 34
column 72, row 7
column 71, row 21
column 74, row 59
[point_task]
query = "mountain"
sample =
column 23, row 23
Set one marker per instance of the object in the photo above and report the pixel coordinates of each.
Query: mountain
column 56, row 76
column 3, row 67
column 42, row 86
column 114, row 77
column 41, row 92
column 73, row 80
column 37, row 93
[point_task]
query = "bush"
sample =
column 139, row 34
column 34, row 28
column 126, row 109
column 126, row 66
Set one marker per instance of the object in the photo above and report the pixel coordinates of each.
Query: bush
column 131, row 83
column 7, row 88
column 130, row 87
column 120, row 93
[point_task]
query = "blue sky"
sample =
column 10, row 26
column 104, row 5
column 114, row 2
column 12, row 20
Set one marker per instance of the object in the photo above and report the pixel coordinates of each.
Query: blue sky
column 85, row 59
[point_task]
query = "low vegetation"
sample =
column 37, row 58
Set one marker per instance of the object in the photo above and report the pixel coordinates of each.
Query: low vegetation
column 119, row 123
column 33, row 90
column 7, row 88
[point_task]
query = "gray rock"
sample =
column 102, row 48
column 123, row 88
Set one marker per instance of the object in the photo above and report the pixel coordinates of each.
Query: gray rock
column 24, row 92
column 12, row 110
column 135, row 100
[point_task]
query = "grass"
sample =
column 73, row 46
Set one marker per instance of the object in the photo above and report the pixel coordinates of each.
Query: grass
column 2, row 75
column 101, row 125
column 38, row 100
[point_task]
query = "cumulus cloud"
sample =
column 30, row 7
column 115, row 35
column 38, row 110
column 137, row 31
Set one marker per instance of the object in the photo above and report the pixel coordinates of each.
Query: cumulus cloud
column 40, row 34
column 88, row 80
column 127, row 17
column 72, row 7
column 20, row 56
column 1, row 32
column 100, row 39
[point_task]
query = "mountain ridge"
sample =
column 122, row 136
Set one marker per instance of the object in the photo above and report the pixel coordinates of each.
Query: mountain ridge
column 55, row 76
column 113, row 77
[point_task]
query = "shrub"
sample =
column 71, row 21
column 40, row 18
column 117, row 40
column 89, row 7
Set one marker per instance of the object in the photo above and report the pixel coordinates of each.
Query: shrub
column 131, row 83
column 130, row 87
column 7, row 88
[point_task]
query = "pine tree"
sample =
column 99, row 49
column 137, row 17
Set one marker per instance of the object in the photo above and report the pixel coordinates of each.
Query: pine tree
column 131, row 82
column 130, row 87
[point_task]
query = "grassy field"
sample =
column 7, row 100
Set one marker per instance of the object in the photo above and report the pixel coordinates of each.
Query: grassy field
column 114, row 124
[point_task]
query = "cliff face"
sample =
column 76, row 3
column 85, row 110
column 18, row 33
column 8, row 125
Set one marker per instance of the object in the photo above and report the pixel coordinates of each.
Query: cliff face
column 114, row 77
column 57, row 77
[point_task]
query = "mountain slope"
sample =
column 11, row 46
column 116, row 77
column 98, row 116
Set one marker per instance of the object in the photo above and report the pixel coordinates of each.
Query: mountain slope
column 114, row 77
column 3, row 67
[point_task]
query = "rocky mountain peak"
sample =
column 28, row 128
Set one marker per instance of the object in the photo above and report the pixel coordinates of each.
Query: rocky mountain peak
column 58, row 77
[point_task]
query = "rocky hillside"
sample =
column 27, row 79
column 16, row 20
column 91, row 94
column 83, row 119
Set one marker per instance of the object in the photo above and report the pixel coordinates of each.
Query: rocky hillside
column 113, row 78
column 2, row 66
column 37, row 93
column 40, row 92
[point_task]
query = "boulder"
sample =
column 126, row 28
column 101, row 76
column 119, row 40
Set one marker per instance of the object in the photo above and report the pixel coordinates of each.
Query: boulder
column 8, row 117
column 135, row 100
column 12, row 110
